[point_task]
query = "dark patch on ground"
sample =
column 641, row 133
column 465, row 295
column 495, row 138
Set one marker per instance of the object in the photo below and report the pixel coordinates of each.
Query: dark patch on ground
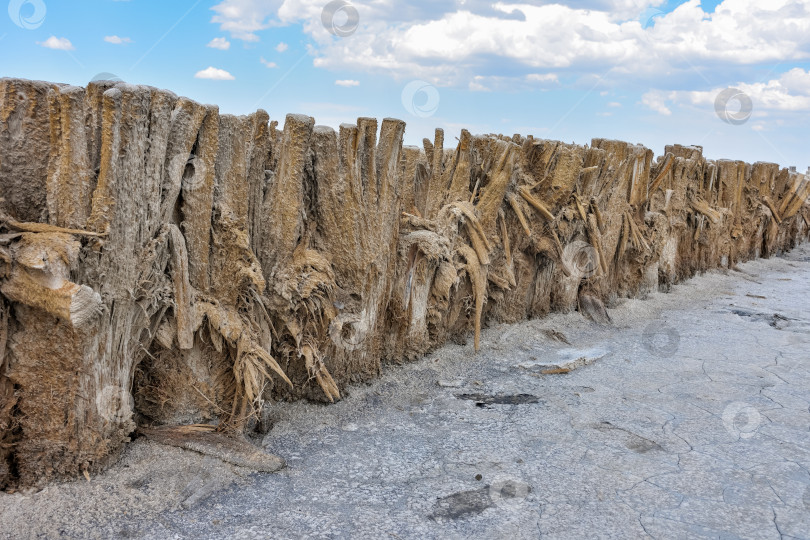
column 462, row 504
column 776, row 320
column 485, row 400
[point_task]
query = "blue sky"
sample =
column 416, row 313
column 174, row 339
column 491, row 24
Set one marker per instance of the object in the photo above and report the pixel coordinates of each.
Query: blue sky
column 644, row 71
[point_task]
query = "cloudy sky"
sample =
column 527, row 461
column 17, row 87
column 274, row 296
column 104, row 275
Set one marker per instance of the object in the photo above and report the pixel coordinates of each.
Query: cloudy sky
column 648, row 71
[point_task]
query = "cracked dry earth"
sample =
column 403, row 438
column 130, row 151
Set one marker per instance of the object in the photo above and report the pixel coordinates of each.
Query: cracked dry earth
column 688, row 417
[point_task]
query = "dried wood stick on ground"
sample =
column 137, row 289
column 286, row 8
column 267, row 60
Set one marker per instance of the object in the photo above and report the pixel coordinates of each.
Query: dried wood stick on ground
column 205, row 440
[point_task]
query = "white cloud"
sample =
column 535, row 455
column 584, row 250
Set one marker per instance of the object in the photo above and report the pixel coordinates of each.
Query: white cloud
column 790, row 92
column 219, row 43
column 243, row 18
column 614, row 104
column 214, row 74
column 796, row 80
column 347, row 83
column 281, row 47
column 657, row 101
column 448, row 42
column 61, row 44
column 268, row 64
column 115, row 40
column 542, row 77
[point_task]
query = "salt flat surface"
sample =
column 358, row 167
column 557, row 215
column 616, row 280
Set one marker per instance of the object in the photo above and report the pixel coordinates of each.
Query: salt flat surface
column 689, row 418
